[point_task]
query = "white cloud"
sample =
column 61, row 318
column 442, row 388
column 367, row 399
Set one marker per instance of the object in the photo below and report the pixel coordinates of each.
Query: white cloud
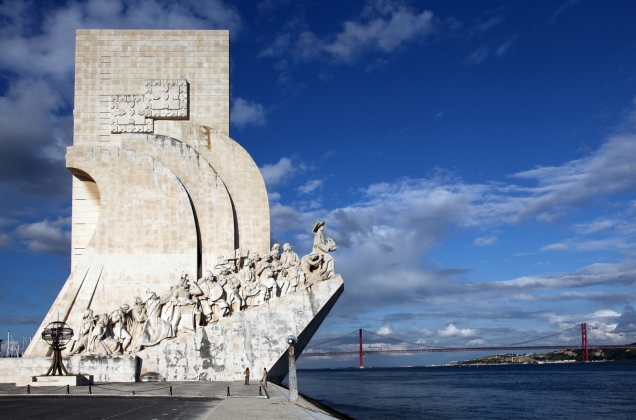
column 50, row 50
column 480, row 26
column 503, row 48
column 423, row 331
column 622, row 273
column 387, row 233
column 47, row 236
column 5, row 240
column 477, row 57
column 273, row 196
column 274, row 174
column 594, row 226
column 310, row 186
column 383, row 26
column 555, row 247
column 564, row 7
column 476, row 342
column 604, row 313
column 396, row 26
column 485, row 240
column 284, row 218
column 385, row 329
column 452, row 331
column 245, row 112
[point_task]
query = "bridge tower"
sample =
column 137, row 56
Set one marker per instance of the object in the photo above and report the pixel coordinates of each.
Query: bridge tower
column 361, row 353
column 584, row 346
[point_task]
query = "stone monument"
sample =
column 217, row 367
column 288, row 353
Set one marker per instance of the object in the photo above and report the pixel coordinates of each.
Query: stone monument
column 172, row 272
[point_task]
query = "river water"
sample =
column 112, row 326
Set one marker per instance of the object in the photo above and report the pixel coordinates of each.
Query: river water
column 549, row 391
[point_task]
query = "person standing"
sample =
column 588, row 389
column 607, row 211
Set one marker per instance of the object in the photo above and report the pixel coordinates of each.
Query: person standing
column 247, row 375
column 264, row 378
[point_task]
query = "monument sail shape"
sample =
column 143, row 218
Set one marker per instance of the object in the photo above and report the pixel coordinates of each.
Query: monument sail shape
column 171, row 260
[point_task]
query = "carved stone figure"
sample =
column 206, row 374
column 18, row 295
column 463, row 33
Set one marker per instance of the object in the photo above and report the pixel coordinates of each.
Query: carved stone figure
column 232, row 291
column 213, row 296
column 264, row 264
column 323, row 246
column 253, row 292
column 283, row 282
column 296, row 279
column 138, row 316
column 311, row 268
column 289, row 258
column 83, row 333
column 179, row 302
column 101, row 342
column 156, row 328
column 119, row 325
column 271, row 290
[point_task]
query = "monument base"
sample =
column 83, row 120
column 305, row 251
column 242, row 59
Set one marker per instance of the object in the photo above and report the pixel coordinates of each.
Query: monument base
column 101, row 369
column 70, row 380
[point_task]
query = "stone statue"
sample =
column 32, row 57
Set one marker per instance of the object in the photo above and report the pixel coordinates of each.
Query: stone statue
column 214, row 296
column 139, row 316
column 179, row 302
column 269, row 281
column 83, row 333
column 296, row 279
column 323, row 246
column 156, row 328
column 253, row 293
column 232, row 291
column 283, row 282
column 119, row 325
column 311, row 268
column 101, row 342
column 289, row 258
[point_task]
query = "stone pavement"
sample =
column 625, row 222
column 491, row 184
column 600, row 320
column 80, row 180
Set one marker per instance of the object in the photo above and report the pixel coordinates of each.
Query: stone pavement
column 151, row 401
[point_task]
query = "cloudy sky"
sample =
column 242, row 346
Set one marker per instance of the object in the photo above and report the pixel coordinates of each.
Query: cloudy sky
column 475, row 161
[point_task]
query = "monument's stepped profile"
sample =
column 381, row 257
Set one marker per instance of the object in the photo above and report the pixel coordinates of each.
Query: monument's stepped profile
column 172, row 272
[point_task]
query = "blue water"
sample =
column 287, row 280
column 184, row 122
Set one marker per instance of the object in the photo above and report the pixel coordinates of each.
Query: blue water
column 552, row 391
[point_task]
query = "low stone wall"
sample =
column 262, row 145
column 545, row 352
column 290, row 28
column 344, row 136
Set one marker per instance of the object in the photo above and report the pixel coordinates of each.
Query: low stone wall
column 103, row 369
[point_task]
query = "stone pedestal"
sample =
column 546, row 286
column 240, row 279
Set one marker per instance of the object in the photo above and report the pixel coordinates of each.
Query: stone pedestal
column 70, row 380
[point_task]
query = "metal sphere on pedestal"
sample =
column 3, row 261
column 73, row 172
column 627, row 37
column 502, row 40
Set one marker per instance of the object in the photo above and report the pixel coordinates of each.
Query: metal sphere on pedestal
column 57, row 334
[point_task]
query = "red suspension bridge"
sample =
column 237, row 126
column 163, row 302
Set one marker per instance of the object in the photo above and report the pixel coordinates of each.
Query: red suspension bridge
column 361, row 342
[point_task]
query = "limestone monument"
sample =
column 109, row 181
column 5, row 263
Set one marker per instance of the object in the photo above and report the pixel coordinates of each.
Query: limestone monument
column 172, row 272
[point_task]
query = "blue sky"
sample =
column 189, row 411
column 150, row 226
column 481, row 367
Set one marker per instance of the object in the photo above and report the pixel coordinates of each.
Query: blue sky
column 474, row 160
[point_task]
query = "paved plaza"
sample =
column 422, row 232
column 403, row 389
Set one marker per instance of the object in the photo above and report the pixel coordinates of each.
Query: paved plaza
column 148, row 401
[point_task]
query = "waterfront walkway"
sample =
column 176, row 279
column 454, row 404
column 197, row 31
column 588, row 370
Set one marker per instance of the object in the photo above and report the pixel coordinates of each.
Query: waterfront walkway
column 152, row 400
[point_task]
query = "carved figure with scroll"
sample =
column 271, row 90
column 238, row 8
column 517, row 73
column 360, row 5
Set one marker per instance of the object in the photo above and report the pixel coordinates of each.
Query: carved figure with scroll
column 323, row 246
column 84, row 333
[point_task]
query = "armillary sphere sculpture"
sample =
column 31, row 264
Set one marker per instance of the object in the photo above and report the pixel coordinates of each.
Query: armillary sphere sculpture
column 57, row 334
